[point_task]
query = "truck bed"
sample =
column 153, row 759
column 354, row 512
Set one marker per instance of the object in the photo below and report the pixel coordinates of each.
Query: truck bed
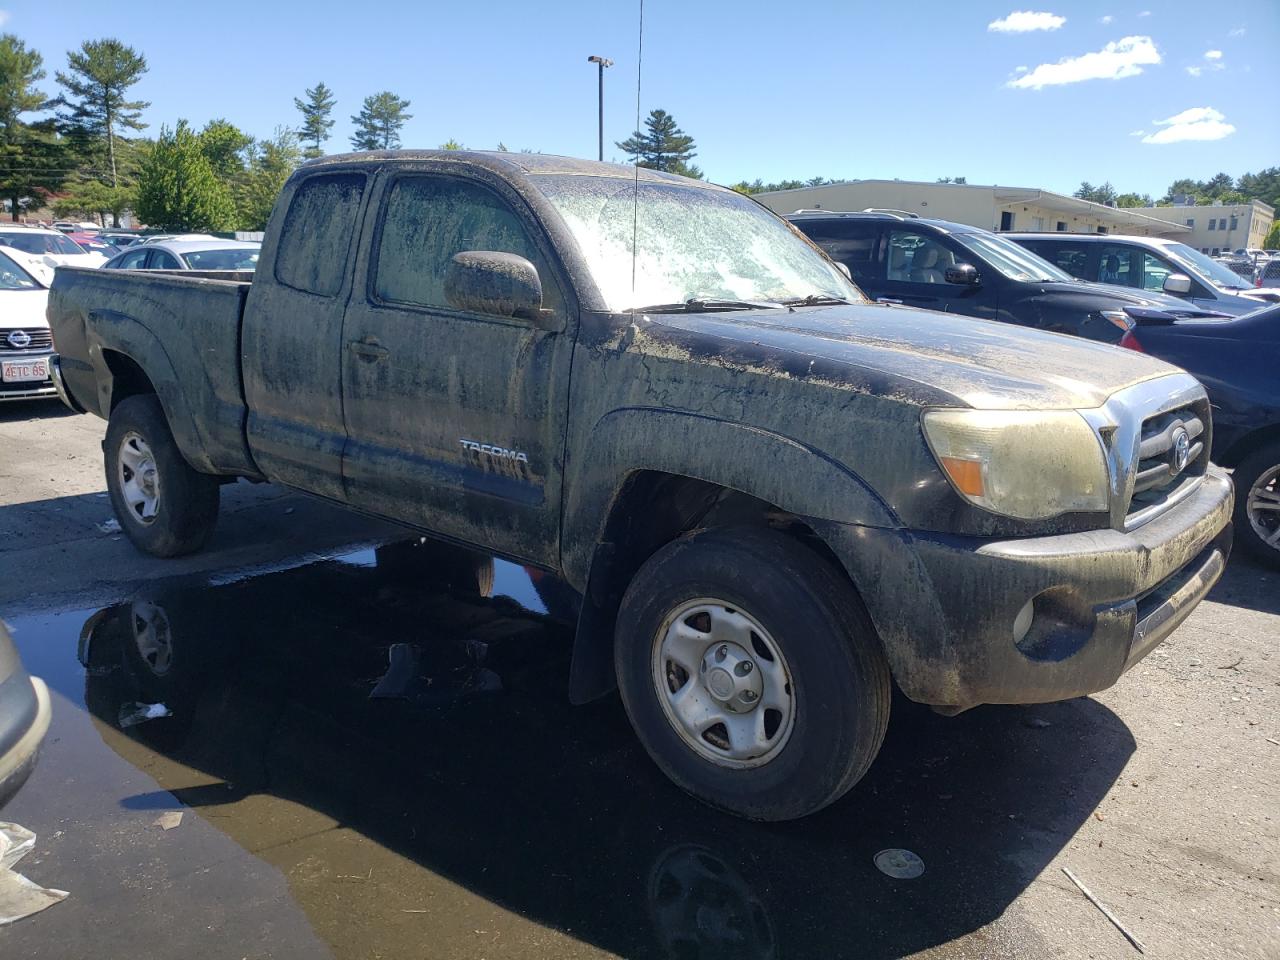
column 182, row 328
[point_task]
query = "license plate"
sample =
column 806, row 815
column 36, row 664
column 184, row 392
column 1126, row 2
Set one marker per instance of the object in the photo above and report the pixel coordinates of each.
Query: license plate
column 24, row 371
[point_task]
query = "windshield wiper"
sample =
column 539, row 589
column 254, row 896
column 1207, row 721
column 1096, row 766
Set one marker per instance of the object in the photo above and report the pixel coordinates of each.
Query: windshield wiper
column 813, row 300
column 705, row 305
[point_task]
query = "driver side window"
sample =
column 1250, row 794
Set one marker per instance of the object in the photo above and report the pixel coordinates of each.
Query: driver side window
column 1154, row 272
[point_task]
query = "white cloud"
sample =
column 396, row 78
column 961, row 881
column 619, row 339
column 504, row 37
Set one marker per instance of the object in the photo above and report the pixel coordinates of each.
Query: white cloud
column 1145, row 13
column 4, row 17
column 1213, row 54
column 1020, row 69
column 1195, row 71
column 1197, row 123
column 1121, row 58
column 1236, row 32
column 1025, row 21
column 1105, row 20
column 1136, row 133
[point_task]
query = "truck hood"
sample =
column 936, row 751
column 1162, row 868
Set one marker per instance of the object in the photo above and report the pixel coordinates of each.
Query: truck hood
column 939, row 358
column 23, row 308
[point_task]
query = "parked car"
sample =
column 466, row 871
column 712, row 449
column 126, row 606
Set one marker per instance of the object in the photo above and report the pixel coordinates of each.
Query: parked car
column 210, row 254
column 54, row 247
column 93, row 243
column 165, row 237
column 65, row 226
column 1269, row 280
column 118, row 238
column 771, row 494
column 25, row 341
column 1150, row 264
column 1236, row 360
column 24, row 718
column 903, row 259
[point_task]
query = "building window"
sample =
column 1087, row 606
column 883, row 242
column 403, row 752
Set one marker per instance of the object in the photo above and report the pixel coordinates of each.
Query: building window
column 1062, row 226
column 1216, row 251
column 1102, row 229
column 1006, row 219
column 1037, row 223
column 1234, row 223
column 1213, row 224
column 1191, row 222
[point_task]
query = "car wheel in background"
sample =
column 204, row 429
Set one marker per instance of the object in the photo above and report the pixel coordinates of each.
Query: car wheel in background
column 1257, row 511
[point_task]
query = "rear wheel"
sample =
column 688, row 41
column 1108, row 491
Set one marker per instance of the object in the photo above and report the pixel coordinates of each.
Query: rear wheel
column 751, row 672
column 164, row 507
column 1257, row 517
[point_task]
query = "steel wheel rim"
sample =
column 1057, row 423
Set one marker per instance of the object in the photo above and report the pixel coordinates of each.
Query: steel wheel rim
column 139, row 478
column 723, row 683
column 1263, row 507
column 152, row 637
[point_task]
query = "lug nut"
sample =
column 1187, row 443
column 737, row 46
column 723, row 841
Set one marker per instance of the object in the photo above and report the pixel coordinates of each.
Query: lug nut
column 745, row 667
column 749, row 696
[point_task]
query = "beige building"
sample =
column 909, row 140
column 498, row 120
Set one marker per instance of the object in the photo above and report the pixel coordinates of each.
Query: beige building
column 1219, row 228
column 990, row 207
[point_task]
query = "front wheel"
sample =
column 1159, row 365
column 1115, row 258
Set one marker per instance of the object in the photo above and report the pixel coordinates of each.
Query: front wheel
column 1257, row 519
column 164, row 507
column 751, row 672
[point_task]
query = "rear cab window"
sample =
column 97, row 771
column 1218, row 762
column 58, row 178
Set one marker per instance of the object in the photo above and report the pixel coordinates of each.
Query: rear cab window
column 853, row 243
column 319, row 227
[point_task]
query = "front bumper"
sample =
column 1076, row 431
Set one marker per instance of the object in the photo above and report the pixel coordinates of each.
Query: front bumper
column 947, row 608
column 29, row 390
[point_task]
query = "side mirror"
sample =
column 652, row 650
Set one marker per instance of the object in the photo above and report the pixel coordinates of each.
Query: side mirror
column 844, row 268
column 965, row 274
column 500, row 284
column 1177, row 284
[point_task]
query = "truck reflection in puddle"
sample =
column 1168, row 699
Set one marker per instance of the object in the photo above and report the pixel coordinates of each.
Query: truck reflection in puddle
column 470, row 765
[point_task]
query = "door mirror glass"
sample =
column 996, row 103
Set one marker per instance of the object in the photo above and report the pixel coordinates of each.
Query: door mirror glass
column 1177, row 284
column 965, row 274
column 500, row 284
column 844, row 268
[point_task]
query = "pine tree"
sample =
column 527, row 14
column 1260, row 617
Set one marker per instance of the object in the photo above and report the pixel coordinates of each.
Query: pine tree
column 316, row 122
column 379, row 122
column 33, row 162
column 271, row 163
column 98, row 77
column 662, row 146
column 177, row 188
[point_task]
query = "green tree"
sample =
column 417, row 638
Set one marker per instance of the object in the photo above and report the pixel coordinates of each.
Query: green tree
column 1134, row 200
column 33, row 162
column 96, row 86
column 177, row 188
column 379, row 122
column 1103, row 194
column 662, row 146
column 451, row 144
column 226, row 146
column 271, row 162
column 93, row 198
column 1263, row 185
column 316, row 120
column 1272, row 240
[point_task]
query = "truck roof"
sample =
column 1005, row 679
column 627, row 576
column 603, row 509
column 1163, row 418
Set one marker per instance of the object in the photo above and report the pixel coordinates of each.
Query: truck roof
column 531, row 164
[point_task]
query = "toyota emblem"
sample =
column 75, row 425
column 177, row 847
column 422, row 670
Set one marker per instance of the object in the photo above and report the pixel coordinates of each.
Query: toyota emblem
column 1181, row 449
column 19, row 339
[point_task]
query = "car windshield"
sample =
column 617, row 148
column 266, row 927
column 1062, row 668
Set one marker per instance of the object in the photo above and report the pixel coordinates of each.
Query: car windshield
column 690, row 244
column 41, row 243
column 15, row 277
column 243, row 258
column 1197, row 262
column 1014, row 261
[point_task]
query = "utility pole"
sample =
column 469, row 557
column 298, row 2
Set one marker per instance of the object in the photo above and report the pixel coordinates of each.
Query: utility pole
column 602, row 62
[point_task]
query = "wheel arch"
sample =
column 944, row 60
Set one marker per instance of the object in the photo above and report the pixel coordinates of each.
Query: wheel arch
column 1247, row 444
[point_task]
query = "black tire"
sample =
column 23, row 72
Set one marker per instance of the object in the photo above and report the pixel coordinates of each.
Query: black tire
column 187, row 505
column 1257, row 465
column 815, row 617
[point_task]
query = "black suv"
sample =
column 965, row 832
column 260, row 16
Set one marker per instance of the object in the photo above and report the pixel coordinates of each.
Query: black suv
column 957, row 268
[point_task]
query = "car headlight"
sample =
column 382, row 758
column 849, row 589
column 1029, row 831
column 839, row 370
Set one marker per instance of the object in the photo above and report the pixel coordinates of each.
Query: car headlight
column 1117, row 317
column 1021, row 463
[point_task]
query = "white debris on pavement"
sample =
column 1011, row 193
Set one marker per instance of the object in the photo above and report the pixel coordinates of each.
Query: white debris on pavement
column 19, row 897
column 168, row 820
column 132, row 714
column 110, row 525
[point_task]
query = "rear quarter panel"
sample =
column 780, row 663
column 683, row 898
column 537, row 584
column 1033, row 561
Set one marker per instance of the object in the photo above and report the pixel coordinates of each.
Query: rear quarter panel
column 184, row 333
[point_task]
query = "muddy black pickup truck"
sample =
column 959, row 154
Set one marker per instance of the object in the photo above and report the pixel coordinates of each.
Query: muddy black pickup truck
column 773, row 497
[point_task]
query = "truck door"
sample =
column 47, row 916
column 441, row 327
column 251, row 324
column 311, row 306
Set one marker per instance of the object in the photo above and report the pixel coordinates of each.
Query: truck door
column 291, row 342
column 455, row 420
column 917, row 261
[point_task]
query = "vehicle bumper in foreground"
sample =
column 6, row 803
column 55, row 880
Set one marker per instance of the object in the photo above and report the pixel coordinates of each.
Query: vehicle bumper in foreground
column 966, row 620
column 24, row 719
column 59, row 384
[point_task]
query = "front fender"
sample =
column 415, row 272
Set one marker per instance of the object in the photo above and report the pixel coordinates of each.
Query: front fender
column 782, row 471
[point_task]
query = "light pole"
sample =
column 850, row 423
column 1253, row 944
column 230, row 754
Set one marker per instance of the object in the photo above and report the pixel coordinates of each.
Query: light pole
column 602, row 63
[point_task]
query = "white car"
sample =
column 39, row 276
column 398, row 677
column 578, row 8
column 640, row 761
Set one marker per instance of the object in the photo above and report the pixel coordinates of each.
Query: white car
column 210, row 254
column 25, row 341
column 52, row 246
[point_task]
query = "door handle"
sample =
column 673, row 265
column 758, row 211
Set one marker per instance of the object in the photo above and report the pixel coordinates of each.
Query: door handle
column 887, row 300
column 368, row 349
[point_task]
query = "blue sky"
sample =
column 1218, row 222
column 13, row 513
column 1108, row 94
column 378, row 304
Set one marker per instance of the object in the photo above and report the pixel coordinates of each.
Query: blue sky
column 913, row 90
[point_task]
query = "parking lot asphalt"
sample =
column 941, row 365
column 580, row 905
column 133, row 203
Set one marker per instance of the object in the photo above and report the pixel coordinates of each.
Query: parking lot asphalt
column 372, row 758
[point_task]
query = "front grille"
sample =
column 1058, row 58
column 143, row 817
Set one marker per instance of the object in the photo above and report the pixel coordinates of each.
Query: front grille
column 41, row 340
column 1158, row 479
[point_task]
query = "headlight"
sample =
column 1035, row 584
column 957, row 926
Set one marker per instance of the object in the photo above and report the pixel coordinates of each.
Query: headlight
column 1022, row 463
column 1118, row 317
